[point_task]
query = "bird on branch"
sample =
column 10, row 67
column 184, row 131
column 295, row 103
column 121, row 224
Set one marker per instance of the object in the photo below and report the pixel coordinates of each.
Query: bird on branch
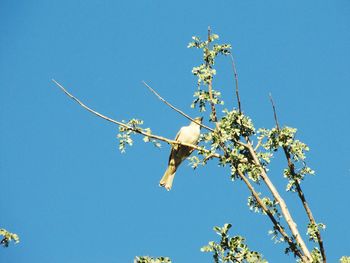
column 187, row 134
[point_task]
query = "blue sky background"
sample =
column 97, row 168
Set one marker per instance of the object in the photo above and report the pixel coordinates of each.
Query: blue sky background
column 65, row 187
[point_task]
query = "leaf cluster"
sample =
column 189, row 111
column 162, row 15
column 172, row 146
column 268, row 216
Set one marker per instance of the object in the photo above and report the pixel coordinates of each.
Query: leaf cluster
column 8, row 237
column 205, row 71
column 345, row 259
column 272, row 205
column 313, row 229
column 147, row 259
column 132, row 126
column 231, row 249
column 294, row 149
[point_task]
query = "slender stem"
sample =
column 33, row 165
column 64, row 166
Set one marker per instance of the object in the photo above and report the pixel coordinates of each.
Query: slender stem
column 236, row 82
column 176, row 109
column 134, row 129
column 274, row 112
column 210, row 84
column 305, row 204
column 298, row 187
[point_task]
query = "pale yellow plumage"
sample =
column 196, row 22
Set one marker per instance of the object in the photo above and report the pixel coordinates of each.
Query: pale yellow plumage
column 187, row 134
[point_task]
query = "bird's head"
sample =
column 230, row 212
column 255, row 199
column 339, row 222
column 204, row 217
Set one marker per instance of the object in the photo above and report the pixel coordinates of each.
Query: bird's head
column 198, row 119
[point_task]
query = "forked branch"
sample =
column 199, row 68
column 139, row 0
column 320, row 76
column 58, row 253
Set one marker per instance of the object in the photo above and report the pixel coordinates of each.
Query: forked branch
column 284, row 209
column 276, row 224
column 135, row 129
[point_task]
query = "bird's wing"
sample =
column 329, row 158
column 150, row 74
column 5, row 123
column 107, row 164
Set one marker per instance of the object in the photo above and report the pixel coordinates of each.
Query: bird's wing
column 175, row 147
column 178, row 134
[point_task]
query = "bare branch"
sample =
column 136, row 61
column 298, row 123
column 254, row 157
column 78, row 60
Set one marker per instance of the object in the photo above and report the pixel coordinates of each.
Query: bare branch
column 274, row 112
column 135, row 129
column 89, row 109
column 236, row 82
column 176, row 109
column 298, row 187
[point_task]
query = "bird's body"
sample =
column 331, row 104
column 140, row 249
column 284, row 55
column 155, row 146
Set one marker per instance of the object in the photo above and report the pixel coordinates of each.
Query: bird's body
column 187, row 134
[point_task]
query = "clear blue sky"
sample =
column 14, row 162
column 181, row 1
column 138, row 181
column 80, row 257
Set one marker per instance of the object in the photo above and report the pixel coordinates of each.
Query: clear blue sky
column 69, row 193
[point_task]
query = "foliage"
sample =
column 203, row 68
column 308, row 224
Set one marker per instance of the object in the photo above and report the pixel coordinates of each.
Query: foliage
column 232, row 140
column 147, row 259
column 316, row 256
column 231, row 249
column 8, row 237
column 345, row 259
column 124, row 135
column 313, row 229
column 205, row 72
column 296, row 150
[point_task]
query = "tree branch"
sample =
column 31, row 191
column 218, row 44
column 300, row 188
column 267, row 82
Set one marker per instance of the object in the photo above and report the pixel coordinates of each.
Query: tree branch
column 284, row 209
column 276, row 224
column 176, row 109
column 274, row 112
column 236, row 82
column 210, row 85
column 298, row 187
column 266, row 179
column 135, row 129
column 286, row 214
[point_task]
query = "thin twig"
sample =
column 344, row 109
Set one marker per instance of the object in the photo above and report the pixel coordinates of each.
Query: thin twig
column 236, row 82
column 258, row 145
column 237, row 91
column 134, row 129
column 298, row 187
column 274, row 112
column 210, row 84
column 176, row 109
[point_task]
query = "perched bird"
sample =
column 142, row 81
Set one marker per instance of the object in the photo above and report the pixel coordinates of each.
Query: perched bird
column 187, row 134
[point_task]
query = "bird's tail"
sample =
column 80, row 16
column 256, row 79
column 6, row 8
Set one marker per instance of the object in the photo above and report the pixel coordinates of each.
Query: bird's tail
column 168, row 177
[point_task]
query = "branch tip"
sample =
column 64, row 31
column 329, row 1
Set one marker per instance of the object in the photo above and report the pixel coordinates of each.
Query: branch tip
column 274, row 111
column 174, row 108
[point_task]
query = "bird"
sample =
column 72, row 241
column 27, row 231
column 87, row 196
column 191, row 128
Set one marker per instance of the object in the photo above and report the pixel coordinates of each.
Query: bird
column 187, row 134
